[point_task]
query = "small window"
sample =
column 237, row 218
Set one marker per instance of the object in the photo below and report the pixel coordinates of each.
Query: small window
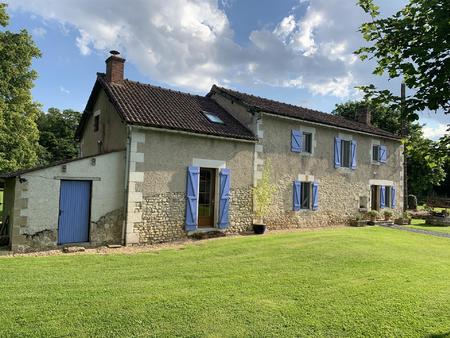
column 213, row 118
column 96, row 122
column 376, row 153
column 307, row 142
column 345, row 153
column 305, row 198
column 363, row 202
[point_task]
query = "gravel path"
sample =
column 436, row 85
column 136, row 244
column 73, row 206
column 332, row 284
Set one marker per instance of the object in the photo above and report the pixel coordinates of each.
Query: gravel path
column 419, row 231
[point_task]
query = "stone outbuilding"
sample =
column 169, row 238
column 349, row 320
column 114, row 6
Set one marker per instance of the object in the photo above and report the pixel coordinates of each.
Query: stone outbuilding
column 157, row 165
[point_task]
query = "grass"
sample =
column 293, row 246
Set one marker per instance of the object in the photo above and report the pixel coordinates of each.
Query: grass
column 341, row 282
column 421, row 224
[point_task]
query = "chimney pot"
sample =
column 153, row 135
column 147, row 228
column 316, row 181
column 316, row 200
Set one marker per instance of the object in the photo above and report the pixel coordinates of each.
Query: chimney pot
column 364, row 116
column 115, row 67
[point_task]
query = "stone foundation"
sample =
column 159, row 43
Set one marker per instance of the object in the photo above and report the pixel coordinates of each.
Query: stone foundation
column 241, row 210
column 163, row 216
column 338, row 201
column 108, row 229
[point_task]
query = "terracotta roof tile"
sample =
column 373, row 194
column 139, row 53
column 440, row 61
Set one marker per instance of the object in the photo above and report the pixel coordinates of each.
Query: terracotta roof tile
column 284, row 109
column 147, row 105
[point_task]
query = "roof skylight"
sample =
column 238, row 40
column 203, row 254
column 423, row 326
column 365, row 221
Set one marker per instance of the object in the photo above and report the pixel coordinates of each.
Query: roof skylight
column 213, row 118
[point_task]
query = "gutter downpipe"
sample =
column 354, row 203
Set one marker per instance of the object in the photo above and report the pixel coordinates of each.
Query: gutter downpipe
column 126, row 188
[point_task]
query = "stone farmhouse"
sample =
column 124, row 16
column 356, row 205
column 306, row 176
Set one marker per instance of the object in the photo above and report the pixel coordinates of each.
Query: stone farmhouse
column 158, row 165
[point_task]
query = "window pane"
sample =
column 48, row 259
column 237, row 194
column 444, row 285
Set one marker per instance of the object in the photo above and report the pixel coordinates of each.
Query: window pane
column 345, row 153
column 213, row 118
column 375, row 153
column 387, row 199
column 307, row 142
column 306, row 196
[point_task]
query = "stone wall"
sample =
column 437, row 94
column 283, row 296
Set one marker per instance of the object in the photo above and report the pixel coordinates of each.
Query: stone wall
column 163, row 216
column 241, row 215
column 108, row 228
column 333, row 209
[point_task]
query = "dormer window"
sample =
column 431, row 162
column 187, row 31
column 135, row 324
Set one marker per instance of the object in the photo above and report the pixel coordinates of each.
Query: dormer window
column 213, row 118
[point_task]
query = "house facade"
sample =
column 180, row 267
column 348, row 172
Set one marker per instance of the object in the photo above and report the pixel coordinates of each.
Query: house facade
column 158, row 165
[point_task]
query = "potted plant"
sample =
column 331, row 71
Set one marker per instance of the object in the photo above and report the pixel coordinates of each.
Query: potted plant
column 373, row 215
column 404, row 220
column 262, row 197
column 388, row 215
column 357, row 220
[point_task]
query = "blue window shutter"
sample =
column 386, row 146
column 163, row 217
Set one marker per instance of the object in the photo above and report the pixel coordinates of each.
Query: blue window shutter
column 382, row 196
column 224, row 200
column 393, row 196
column 353, row 154
column 337, row 152
column 193, row 174
column 296, row 195
column 315, row 195
column 296, row 141
column 383, row 154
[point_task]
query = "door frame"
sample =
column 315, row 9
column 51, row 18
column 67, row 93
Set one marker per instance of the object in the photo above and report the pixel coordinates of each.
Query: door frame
column 213, row 198
column 211, row 164
column 90, row 206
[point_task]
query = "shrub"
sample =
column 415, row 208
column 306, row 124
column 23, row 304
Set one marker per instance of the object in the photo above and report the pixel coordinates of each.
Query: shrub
column 263, row 192
column 388, row 214
column 373, row 214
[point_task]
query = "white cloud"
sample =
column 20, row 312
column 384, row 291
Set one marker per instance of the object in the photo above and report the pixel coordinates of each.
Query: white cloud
column 339, row 87
column 39, row 32
column 304, row 38
column 434, row 131
column 190, row 43
column 64, row 90
column 285, row 27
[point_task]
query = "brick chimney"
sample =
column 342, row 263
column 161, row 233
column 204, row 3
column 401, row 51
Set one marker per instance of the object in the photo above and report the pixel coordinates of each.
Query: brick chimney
column 115, row 67
column 364, row 116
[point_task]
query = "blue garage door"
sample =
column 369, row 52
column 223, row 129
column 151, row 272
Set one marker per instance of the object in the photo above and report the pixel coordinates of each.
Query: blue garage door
column 74, row 210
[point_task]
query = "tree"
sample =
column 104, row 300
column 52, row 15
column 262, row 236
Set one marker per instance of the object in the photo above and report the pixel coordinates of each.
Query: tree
column 263, row 192
column 426, row 159
column 414, row 44
column 426, row 165
column 57, row 135
column 18, row 113
column 382, row 116
column 444, row 148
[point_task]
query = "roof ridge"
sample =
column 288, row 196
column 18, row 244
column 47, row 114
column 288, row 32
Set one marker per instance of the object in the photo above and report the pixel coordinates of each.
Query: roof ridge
column 163, row 88
column 232, row 91
column 272, row 100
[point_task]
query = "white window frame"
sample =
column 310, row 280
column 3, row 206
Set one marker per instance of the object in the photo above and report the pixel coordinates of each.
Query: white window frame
column 374, row 143
column 312, row 131
column 345, row 137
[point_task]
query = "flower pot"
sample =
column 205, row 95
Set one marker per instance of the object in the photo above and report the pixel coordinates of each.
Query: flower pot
column 403, row 221
column 259, row 228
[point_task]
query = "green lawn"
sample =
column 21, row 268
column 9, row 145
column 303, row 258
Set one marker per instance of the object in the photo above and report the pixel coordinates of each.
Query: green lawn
column 368, row 281
column 421, row 224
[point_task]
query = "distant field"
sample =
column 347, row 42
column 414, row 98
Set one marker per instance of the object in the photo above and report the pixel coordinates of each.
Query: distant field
column 345, row 282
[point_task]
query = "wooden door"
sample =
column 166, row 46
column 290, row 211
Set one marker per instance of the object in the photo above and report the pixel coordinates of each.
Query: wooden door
column 374, row 197
column 74, row 212
column 206, row 196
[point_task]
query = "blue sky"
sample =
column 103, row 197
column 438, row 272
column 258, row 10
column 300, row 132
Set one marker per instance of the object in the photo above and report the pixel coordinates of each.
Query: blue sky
column 294, row 51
